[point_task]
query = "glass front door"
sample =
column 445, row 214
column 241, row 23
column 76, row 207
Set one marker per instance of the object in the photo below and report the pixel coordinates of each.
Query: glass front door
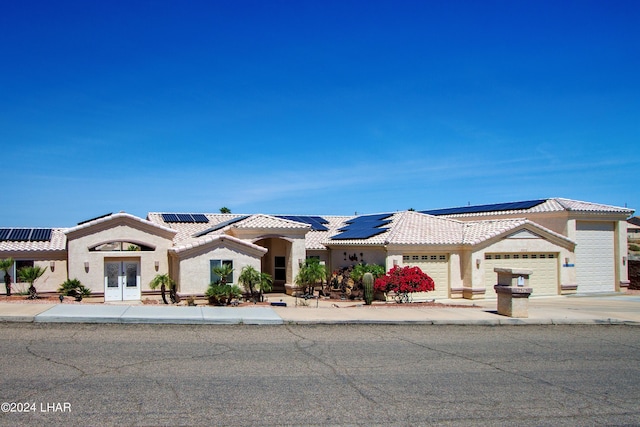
column 121, row 280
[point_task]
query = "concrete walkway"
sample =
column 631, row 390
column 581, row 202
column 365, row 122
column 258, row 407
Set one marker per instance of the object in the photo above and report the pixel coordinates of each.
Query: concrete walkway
column 589, row 310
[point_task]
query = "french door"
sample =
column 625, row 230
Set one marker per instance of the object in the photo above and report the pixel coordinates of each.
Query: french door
column 122, row 280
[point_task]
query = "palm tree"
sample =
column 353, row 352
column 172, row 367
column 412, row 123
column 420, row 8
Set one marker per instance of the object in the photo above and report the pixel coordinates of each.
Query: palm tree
column 162, row 280
column 30, row 275
column 310, row 274
column 249, row 278
column 265, row 284
column 5, row 265
column 254, row 280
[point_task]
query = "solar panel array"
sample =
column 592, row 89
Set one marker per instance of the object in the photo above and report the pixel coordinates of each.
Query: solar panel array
column 363, row 227
column 25, row 234
column 316, row 222
column 185, row 218
column 498, row 207
column 221, row 225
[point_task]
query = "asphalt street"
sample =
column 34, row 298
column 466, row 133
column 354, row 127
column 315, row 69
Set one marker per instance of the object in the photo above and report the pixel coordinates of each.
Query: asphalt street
column 97, row 374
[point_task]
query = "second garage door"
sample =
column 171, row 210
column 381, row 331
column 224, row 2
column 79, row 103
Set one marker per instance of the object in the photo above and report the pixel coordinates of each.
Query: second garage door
column 595, row 268
column 437, row 267
column 544, row 279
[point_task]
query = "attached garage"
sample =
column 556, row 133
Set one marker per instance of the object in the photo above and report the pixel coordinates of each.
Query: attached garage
column 437, row 267
column 544, row 279
column 595, row 260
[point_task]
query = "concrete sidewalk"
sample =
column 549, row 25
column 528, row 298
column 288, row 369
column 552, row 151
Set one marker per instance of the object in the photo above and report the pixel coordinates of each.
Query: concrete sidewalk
column 580, row 310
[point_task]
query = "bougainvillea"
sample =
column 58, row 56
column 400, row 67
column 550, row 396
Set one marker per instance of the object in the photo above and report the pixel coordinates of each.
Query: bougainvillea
column 404, row 281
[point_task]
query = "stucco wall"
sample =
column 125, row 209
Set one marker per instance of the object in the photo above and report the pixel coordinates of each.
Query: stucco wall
column 50, row 281
column 522, row 246
column 194, row 275
column 80, row 243
column 369, row 255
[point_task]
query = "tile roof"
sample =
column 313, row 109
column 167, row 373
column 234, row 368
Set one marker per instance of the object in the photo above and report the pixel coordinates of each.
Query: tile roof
column 214, row 238
column 111, row 217
column 58, row 242
column 418, row 228
column 551, row 205
column 268, row 221
column 186, row 231
column 189, row 232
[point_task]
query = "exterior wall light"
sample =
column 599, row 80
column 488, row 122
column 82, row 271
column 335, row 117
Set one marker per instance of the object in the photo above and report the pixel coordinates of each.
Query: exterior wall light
column 52, row 265
column 157, row 265
column 478, row 262
column 86, row 266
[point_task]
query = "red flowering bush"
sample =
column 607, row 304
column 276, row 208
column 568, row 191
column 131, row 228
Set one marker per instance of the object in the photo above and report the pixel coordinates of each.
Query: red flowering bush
column 404, row 281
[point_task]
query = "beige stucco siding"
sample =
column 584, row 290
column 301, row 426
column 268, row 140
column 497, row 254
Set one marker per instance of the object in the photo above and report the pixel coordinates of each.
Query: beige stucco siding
column 87, row 265
column 352, row 255
column 192, row 264
column 523, row 244
column 50, row 281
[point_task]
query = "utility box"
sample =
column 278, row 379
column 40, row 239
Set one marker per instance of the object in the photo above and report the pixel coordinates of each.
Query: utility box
column 513, row 291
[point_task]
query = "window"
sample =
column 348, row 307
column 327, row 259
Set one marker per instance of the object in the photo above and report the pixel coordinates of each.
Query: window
column 21, row 264
column 415, row 258
column 443, row 257
column 405, row 258
column 280, row 268
column 218, row 263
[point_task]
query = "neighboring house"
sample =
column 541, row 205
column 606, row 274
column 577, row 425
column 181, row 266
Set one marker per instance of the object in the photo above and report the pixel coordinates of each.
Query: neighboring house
column 633, row 229
column 571, row 247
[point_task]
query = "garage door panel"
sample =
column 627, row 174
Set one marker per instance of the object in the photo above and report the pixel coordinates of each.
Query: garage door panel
column 595, row 269
column 437, row 267
column 543, row 281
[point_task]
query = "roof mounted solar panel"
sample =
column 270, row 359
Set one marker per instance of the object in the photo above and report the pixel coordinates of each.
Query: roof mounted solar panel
column 169, row 217
column 221, row 225
column 184, row 217
column 20, row 234
column 368, row 218
column 497, row 207
column 363, row 227
column 4, row 233
column 316, row 222
column 41, row 235
column 358, row 234
column 200, row 218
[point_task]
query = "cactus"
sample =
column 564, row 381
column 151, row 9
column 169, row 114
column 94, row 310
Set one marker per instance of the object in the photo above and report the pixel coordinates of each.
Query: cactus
column 367, row 284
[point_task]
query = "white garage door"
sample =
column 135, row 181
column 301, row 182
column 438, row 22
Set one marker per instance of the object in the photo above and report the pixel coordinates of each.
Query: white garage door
column 595, row 269
column 437, row 267
column 544, row 279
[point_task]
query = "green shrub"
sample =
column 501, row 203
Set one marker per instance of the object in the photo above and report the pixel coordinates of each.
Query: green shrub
column 222, row 294
column 633, row 247
column 73, row 287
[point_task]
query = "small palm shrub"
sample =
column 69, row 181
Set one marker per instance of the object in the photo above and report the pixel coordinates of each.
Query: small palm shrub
column 222, row 294
column 73, row 288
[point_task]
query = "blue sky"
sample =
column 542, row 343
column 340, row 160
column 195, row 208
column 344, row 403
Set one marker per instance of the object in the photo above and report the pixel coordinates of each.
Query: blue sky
column 314, row 107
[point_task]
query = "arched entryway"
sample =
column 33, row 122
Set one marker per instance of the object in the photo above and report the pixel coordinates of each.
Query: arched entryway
column 277, row 261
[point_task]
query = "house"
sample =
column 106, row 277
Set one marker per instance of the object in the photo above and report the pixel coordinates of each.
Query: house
column 571, row 246
column 633, row 229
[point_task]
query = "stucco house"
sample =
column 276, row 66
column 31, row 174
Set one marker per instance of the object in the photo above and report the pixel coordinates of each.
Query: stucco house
column 571, row 246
